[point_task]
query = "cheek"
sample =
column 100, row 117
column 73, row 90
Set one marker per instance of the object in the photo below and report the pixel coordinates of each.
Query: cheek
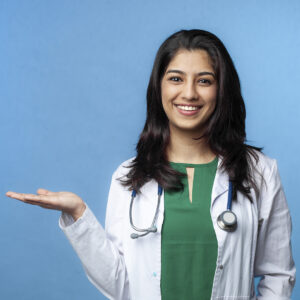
column 167, row 108
column 213, row 103
column 167, row 95
column 168, row 91
column 211, row 107
column 211, row 98
column 163, row 94
column 164, row 102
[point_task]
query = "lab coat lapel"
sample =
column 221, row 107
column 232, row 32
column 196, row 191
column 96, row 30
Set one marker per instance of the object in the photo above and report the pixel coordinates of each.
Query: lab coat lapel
column 221, row 182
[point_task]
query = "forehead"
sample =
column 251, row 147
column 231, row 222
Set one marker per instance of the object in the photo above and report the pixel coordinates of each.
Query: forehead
column 197, row 60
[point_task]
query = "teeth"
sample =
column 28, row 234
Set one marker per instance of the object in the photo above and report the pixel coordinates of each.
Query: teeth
column 187, row 107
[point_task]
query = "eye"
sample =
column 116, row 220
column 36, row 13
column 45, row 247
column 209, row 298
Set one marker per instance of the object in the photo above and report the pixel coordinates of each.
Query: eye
column 175, row 78
column 205, row 81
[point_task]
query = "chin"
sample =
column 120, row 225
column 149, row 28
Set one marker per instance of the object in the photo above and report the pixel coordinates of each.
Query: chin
column 190, row 128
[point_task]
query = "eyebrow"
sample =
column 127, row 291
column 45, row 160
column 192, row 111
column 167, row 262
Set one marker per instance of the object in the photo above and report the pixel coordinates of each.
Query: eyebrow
column 183, row 73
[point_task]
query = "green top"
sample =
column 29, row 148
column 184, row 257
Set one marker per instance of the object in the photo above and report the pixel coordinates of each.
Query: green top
column 189, row 245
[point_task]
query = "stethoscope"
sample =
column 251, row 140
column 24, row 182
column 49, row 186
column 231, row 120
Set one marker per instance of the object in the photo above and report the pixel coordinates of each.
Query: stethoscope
column 227, row 220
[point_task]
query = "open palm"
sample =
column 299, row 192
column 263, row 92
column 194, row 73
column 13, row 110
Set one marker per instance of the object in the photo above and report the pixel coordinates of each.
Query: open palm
column 63, row 201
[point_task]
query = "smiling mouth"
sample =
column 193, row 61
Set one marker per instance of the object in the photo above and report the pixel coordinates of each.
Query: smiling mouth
column 188, row 107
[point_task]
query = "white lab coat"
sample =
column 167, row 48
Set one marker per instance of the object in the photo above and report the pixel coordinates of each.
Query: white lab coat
column 123, row 268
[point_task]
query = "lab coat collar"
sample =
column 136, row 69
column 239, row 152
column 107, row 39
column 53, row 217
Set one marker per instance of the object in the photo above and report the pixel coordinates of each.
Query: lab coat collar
column 221, row 182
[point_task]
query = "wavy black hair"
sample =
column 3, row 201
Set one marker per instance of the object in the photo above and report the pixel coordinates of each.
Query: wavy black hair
column 225, row 130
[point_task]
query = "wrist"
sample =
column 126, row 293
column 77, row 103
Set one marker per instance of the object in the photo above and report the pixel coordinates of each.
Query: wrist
column 78, row 212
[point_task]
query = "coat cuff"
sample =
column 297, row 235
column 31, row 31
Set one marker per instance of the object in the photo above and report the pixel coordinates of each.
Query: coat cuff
column 273, row 298
column 74, row 228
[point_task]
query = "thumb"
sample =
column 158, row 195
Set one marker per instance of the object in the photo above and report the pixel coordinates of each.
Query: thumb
column 43, row 191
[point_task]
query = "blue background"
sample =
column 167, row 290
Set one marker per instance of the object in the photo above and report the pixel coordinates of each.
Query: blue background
column 73, row 79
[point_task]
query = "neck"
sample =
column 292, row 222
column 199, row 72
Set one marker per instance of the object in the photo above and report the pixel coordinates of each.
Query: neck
column 183, row 148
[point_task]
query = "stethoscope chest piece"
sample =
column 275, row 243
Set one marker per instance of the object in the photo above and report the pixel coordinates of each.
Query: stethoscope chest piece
column 227, row 221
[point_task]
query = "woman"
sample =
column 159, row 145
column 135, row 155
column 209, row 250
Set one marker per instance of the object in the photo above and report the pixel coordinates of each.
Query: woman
column 190, row 154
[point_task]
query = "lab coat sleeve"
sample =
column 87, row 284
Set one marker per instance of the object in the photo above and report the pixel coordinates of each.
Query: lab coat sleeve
column 274, row 262
column 100, row 250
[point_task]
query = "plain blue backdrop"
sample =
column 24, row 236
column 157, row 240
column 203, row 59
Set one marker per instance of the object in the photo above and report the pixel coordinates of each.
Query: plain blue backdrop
column 73, row 79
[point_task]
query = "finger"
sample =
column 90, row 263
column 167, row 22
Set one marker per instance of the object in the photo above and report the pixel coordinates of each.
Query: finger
column 19, row 196
column 44, row 192
column 49, row 207
column 25, row 197
column 41, row 205
column 9, row 193
column 41, row 200
column 33, row 200
column 34, row 197
column 30, row 199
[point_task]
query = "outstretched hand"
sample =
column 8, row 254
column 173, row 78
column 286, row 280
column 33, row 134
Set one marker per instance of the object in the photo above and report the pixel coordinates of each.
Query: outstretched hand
column 64, row 201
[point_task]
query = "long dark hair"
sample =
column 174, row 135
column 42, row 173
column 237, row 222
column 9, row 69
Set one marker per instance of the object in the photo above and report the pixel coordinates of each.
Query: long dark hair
column 225, row 130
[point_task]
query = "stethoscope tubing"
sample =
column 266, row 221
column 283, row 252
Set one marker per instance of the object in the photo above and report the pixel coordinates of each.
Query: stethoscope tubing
column 152, row 228
column 221, row 221
column 229, row 200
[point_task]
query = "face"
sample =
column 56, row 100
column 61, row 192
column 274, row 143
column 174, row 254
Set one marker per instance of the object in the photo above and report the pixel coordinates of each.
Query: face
column 189, row 90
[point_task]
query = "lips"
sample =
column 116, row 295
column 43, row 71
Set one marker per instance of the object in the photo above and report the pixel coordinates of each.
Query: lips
column 188, row 109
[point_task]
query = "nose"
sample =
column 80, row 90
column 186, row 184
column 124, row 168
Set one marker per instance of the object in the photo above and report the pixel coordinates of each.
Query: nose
column 189, row 91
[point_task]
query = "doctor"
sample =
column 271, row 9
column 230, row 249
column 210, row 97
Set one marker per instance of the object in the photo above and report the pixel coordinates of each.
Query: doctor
column 166, row 234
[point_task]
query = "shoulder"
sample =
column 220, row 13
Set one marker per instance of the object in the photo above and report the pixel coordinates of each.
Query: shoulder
column 262, row 163
column 119, row 190
column 267, row 176
column 124, row 167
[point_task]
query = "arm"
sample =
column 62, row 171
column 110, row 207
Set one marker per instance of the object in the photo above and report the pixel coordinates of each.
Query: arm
column 274, row 261
column 101, row 251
